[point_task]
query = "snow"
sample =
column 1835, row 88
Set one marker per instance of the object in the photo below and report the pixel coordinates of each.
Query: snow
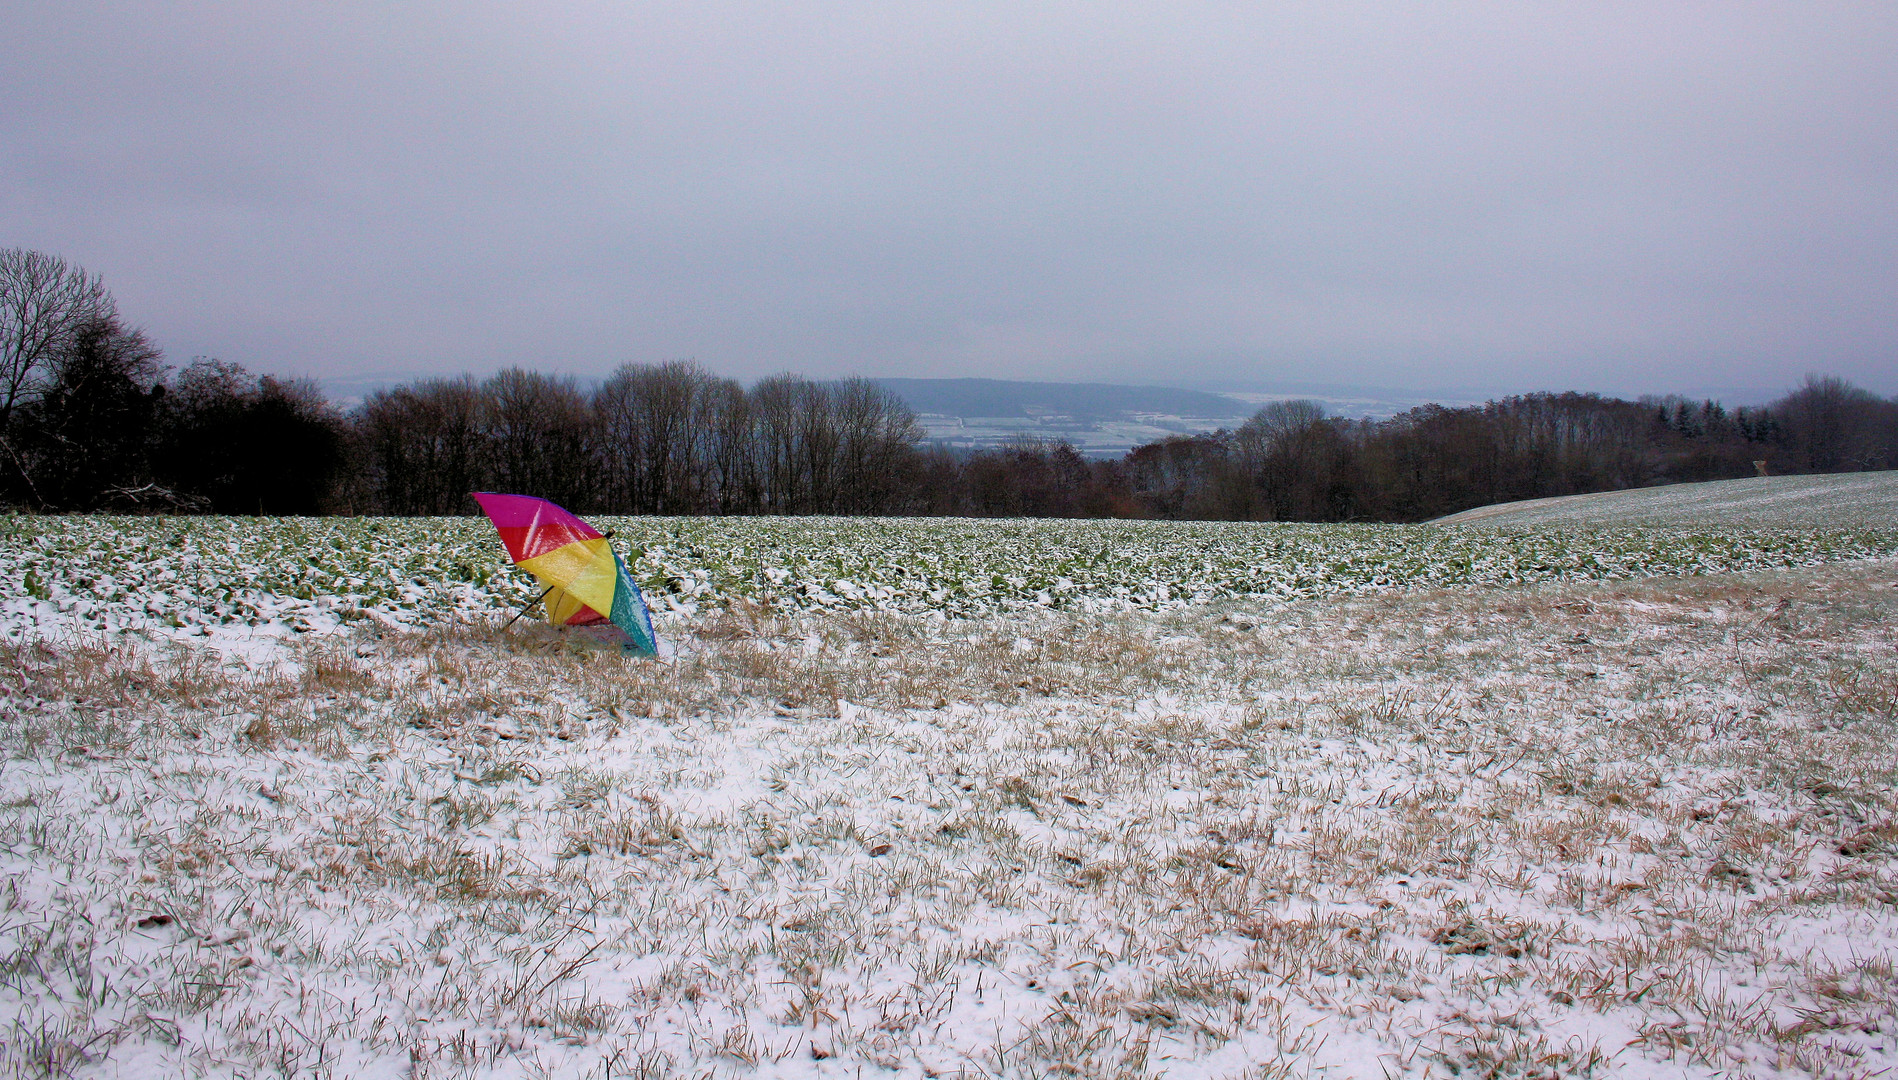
column 1574, row 827
column 1836, row 500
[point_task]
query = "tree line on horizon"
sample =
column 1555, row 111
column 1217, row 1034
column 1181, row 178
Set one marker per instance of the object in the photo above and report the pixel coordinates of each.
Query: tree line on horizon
column 92, row 420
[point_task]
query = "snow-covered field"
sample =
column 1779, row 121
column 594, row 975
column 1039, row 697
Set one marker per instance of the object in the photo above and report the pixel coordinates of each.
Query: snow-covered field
column 240, row 580
column 278, row 799
column 1834, row 501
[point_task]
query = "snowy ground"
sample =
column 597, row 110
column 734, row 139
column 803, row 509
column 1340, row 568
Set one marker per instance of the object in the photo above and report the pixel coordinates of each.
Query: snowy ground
column 1624, row 828
column 1833, row 501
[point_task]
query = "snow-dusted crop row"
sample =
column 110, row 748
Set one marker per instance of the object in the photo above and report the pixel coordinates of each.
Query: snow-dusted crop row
column 105, row 573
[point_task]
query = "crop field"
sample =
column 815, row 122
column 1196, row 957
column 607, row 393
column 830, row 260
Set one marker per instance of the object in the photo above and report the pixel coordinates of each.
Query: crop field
column 952, row 799
column 227, row 578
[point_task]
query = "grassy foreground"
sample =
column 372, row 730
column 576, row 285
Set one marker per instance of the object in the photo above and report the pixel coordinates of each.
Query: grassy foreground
column 1640, row 828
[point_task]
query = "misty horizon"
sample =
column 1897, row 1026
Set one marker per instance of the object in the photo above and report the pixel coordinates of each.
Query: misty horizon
column 348, row 390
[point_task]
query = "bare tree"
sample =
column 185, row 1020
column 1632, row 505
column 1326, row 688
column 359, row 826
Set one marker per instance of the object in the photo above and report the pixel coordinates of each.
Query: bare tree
column 877, row 433
column 45, row 302
column 817, row 442
column 85, row 435
column 622, row 437
column 541, row 436
column 1191, row 477
column 1293, row 452
column 775, row 402
column 1834, row 426
column 1028, row 477
column 422, row 446
column 654, row 436
column 667, row 401
column 731, row 454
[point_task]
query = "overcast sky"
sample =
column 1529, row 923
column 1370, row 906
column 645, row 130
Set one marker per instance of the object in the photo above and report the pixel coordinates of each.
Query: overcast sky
column 1625, row 197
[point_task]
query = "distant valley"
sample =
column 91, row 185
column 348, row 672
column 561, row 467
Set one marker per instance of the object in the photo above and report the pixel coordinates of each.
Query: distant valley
column 1100, row 419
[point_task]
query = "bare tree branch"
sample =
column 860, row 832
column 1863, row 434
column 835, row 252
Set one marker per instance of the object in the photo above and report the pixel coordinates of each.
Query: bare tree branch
column 44, row 303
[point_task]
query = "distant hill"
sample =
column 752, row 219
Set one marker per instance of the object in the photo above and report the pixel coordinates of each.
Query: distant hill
column 1836, row 500
column 1098, row 419
column 1081, row 401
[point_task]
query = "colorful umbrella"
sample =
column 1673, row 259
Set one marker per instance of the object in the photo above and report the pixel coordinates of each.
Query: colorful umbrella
column 585, row 581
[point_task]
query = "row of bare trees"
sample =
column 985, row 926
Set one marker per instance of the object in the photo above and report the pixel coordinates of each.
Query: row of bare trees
column 673, row 439
column 650, row 439
column 92, row 419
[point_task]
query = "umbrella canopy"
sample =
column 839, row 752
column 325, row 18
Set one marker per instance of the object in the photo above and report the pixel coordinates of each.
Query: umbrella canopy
column 585, row 581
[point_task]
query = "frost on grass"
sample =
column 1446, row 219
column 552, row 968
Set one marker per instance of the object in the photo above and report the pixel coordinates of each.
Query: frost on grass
column 1629, row 828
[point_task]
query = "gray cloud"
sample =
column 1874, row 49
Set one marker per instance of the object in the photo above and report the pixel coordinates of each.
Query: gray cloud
column 1613, row 196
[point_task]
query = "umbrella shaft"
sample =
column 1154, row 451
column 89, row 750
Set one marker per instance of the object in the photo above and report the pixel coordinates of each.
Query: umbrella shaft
column 529, row 605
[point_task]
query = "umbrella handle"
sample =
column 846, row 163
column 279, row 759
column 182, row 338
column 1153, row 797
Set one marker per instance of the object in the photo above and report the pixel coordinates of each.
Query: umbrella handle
column 524, row 609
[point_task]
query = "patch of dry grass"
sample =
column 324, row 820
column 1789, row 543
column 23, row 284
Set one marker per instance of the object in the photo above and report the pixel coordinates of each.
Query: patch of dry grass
column 1551, row 831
